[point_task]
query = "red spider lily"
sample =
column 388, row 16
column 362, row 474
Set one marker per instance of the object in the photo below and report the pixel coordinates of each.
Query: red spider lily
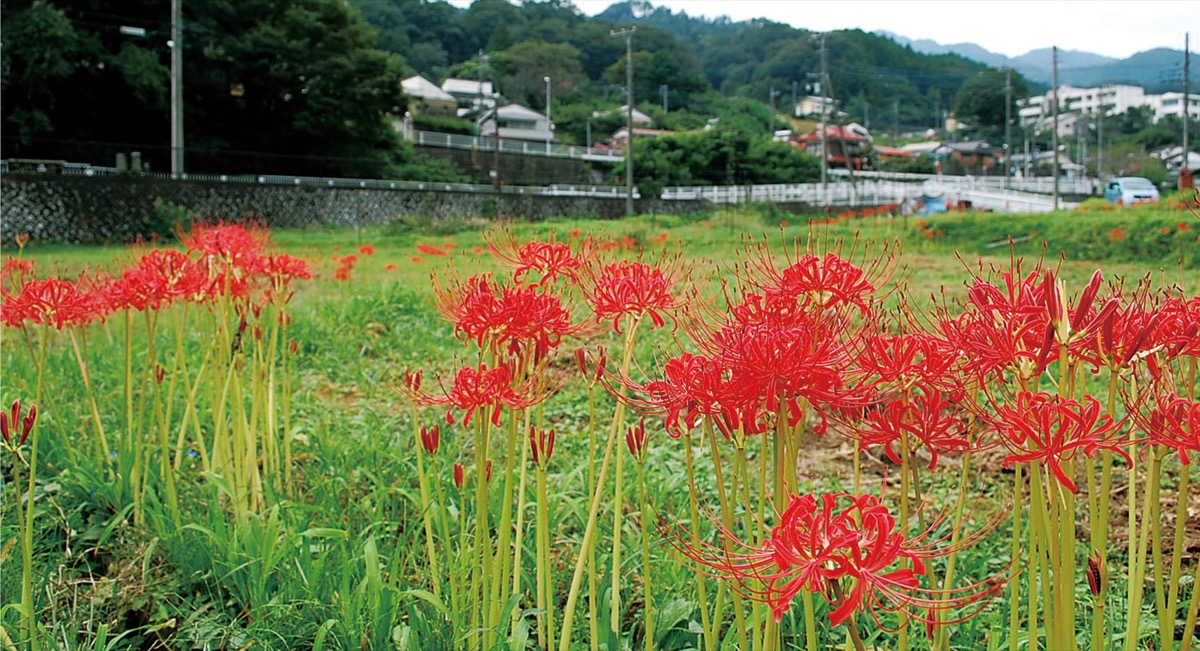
column 51, row 302
column 1178, row 328
column 928, row 418
column 848, row 541
column 280, row 270
column 429, row 249
column 908, row 360
column 235, row 244
column 8, row 421
column 160, row 278
column 823, row 282
column 431, row 438
column 515, row 318
column 16, row 271
column 484, row 388
column 1003, row 329
column 787, row 363
column 1174, row 423
column 21, row 239
column 549, row 259
column 633, row 289
column 635, row 439
column 366, row 249
column 692, row 387
column 391, row 266
column 541, row 444
column 459, row 475
column 1053, row 429
column 1124, row 335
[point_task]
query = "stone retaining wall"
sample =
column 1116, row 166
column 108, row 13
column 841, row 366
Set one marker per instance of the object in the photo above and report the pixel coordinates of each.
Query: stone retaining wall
column 120, row 208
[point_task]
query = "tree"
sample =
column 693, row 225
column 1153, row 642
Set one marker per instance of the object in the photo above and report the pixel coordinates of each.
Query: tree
column 980, row 101
column 524, row 67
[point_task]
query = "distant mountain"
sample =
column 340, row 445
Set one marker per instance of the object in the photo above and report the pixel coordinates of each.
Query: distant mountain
column 1157, row 70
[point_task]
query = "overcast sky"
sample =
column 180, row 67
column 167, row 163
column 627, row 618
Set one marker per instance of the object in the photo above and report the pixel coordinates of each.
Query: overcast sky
column 1115, row 28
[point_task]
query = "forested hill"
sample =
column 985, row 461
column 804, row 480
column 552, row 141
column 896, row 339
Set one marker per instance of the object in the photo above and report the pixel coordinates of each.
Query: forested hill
column 870, row 74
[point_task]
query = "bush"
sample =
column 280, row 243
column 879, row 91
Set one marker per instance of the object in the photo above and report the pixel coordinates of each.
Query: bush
column 443, row 125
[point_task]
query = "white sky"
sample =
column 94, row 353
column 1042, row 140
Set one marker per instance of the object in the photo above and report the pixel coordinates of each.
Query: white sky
column 1114, row 28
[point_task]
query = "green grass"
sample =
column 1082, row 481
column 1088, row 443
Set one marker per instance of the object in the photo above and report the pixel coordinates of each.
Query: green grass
column 340, row 565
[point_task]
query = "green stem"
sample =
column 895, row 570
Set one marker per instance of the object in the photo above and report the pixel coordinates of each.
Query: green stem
column 644, row 514
column 1137, row 558
column 1177, row 550
column 544, row 597
column 590, row 552
column 710, row 639
column 28, row 610
column 597, row 496
column 1014, row 618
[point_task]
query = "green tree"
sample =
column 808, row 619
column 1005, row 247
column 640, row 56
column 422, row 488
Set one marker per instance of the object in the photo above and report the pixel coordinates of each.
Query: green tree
column 980, row 101
column 524, row 67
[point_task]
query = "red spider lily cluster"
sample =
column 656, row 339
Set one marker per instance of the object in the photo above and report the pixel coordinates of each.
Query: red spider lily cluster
column 849, row 541
column 221, row 260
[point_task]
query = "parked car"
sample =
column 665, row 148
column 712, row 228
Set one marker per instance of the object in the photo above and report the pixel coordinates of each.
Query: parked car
column 1128, row 190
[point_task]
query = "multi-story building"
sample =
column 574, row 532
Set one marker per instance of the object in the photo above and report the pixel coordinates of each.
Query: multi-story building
column 1075, row 103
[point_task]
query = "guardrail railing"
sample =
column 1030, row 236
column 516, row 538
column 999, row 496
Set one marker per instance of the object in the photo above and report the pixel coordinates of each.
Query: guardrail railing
column 553, row 190
column 512, row 146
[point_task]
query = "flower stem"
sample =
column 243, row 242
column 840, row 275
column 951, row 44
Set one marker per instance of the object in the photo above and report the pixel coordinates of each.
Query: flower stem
column 597, row 496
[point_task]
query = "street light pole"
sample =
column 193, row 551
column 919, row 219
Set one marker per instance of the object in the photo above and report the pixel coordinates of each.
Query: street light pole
column 176, row 88
column 549, row 133
column 628, row 34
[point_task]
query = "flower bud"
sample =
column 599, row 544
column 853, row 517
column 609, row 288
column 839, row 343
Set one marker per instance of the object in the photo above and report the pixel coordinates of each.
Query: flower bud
column 459, row 475
column 488, row 473
column 1097, row 572
column 431, row 438
column 293, row 346
column 541, row 444
column 27, row 424
column 635, row 438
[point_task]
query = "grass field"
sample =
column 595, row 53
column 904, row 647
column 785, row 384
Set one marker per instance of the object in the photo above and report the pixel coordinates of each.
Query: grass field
column 266, row 460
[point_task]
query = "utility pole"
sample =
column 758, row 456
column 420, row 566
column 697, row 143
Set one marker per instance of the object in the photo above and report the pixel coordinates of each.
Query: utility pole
column 1100, row 139
column 665, row 90
column 772, row 117
column 1183, row 163
column 824, row 121
column 1054, row 134
column 1008, row 89
column 549, row 122
column 176, row 89
column 795, row 99
column 628, row 34
column 895, row 122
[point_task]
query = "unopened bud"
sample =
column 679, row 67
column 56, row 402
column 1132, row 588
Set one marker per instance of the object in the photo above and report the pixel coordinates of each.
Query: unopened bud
column 459, row 475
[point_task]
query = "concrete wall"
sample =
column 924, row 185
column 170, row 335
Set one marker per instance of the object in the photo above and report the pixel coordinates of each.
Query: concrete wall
column 120, row 208
column 516, row 169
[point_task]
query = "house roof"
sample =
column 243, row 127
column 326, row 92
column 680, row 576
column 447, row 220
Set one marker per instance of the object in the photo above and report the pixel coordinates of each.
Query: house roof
column 927, row 147
column 422, row 88
column 981, row 147
column 513, row 111
column 466, row 87
column 834, row 132
column 638, row 116
column 893, row 151
column 637, row 131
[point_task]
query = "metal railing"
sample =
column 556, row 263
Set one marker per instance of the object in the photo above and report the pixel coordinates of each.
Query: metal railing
column 62, row 168
column 512, row 146
column 1039, row 184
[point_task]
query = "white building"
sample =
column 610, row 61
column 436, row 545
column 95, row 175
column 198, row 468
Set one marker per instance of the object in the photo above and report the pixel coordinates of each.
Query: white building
column 517, row 123
column 471, row 95
column 1111, row 100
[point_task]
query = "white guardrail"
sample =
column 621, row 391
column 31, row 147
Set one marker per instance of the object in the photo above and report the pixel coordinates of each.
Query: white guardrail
column 512, row 146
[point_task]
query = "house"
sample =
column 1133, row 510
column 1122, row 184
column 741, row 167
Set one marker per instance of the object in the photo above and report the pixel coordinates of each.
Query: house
column 968, row 157
column 1115, row 99
column 427, row 98
column 516, row 122
column 638, row 116
column 472, row 96
column 620, row 137
column 922, row 148
column 814, row 105
column 843, row 146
